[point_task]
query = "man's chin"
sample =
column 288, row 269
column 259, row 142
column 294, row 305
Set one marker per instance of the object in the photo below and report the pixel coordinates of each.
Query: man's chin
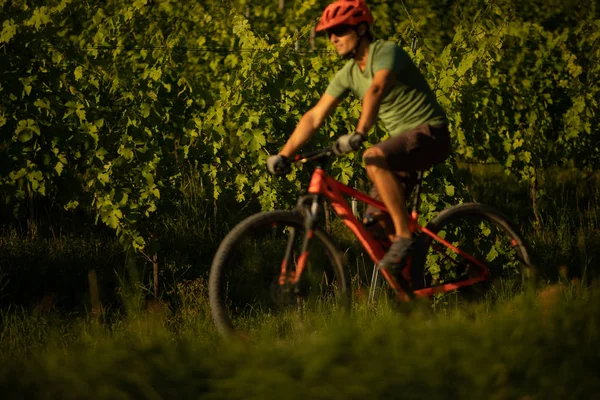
column 342, row 53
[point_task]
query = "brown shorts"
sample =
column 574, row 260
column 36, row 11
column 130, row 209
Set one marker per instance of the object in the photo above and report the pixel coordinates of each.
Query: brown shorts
column 410, row 152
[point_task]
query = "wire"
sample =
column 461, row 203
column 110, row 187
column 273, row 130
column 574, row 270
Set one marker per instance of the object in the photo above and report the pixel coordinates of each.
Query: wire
column 215, row 49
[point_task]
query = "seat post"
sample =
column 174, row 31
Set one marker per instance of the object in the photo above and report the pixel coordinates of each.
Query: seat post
column 417, row 194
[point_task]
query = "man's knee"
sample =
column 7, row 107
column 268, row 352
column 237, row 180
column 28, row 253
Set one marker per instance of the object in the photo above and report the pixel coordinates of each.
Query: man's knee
column 375, row 157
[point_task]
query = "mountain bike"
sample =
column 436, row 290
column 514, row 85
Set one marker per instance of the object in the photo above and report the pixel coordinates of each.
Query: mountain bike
column 277, row 264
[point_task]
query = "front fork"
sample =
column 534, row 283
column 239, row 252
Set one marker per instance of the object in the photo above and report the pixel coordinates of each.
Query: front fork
column 310, row 222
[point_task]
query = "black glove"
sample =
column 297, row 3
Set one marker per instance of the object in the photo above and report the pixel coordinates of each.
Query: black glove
column 348, row 143
column 278, row 165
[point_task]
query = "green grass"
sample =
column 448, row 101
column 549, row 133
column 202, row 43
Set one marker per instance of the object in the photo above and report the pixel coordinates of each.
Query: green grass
column 513, row 349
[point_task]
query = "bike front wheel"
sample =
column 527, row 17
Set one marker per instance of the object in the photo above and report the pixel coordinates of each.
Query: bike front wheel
column 484, row 237
column 249, row 294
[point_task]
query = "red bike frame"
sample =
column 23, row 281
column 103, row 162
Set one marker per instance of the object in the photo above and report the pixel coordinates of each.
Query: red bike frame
column 322, row 184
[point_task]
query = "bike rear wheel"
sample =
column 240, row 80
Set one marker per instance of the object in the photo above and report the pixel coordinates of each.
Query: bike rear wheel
column 245, row 291
column 486, row 235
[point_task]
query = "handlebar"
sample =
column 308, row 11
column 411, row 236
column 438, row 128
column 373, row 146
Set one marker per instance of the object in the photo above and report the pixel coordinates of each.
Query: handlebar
column 316, row 155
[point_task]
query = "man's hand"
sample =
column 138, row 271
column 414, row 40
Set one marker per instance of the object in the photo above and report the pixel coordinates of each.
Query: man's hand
column 278, row 165
column 348, row 143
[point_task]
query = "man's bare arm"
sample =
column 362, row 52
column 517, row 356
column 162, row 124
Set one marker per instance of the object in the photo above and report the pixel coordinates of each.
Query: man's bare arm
column 309, row 124
column 383, row 80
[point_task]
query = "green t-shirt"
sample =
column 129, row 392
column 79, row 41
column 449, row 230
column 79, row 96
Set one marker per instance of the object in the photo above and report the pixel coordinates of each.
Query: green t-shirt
column 408, row 104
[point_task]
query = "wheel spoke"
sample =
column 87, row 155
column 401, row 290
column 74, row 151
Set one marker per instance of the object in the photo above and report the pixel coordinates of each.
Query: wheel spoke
column 268, row 277
column 487, row 239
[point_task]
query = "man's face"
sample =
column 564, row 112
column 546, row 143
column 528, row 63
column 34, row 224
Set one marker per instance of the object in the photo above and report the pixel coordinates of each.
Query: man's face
column 344, row 38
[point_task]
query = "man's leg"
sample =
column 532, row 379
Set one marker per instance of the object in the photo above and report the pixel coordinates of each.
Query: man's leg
column 392, row 194
column 389, row 189
column 415, row 150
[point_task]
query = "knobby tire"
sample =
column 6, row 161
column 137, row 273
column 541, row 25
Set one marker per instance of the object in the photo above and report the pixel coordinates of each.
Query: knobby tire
column 230, row 254
column 466, row 220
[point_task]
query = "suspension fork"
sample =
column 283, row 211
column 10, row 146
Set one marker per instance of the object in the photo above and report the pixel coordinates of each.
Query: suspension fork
column 310, row 222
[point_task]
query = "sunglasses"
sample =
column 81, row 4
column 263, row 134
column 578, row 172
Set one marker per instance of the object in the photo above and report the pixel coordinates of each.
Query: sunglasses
column 341, row 30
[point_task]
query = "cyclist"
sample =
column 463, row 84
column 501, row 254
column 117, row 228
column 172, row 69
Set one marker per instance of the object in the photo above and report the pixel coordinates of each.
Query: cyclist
column 390, row 87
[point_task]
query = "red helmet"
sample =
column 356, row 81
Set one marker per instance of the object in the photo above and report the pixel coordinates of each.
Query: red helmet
column 344, row 12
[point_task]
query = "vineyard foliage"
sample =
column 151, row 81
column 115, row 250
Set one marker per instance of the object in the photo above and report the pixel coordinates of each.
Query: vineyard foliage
column 106, row 105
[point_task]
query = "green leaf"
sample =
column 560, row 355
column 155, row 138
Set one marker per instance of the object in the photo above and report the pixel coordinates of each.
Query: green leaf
column 485, row 229
column 145, row 110
column 124, row 199
column 9, row 29
column 42, row 104
column 525, row 156
column 59, row 167
column 111, row 217
column 71, row 205
column 103, row 177
column 138, row 242
column 80, row 112
column 90, row 129
column 78, row 73
column 139, row 4
column 26, row 129
column 77, row 108
column 446, row 83
column 39, row 18
column 491, row 256
column 258, row 140
column 155, row 74
column 127, row 153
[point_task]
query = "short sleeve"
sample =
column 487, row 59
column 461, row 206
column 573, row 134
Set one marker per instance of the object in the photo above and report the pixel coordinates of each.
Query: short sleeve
column 390, row 56
column 339, row 86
